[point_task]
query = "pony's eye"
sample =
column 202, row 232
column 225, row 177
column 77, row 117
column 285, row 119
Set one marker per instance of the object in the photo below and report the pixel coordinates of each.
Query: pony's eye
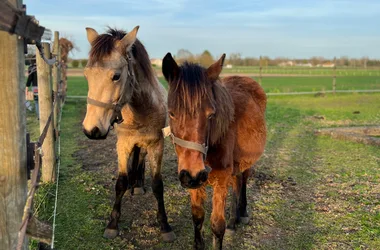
column 116, row 77
column 210, row 116
column 171, row 114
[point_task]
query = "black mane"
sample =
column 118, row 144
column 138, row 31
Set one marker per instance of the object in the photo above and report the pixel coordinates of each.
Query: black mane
column 190, row 88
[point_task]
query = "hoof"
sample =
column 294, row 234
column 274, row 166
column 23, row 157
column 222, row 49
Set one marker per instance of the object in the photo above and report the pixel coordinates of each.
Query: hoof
column 229, row 232
column 138, row 191
column 244, row 220
column 168, row 237
column 110, row 233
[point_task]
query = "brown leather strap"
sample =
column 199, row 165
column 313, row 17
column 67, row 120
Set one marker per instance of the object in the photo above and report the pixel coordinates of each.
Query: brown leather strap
column 117, row 116
column 183, row 143
column 101, row 104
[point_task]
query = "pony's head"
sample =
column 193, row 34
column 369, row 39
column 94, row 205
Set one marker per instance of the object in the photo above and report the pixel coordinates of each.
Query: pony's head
column 110, row 78
column 195, row 116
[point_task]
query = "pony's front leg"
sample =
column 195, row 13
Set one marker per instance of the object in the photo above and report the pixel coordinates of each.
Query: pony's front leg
column 121, row 186
column 198, row 196
column 235, row 209
column 218, row 221
column 244, row 218
column 155, row 153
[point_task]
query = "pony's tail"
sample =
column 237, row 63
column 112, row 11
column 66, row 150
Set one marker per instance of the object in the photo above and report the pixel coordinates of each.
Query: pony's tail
column 136, row 171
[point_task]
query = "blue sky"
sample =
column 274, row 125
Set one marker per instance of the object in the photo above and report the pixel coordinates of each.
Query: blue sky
column 291, row 28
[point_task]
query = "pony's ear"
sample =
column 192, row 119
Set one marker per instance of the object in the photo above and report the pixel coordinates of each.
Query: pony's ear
column 214, row 70
column 128, row 40
column 91, row 34
column 170, row 68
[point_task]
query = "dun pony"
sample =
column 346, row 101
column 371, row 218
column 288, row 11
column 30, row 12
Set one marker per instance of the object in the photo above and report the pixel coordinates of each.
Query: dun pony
column 124, row 92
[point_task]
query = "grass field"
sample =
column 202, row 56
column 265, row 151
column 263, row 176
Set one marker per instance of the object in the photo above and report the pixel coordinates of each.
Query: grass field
column 78, row 84
column 309, row 192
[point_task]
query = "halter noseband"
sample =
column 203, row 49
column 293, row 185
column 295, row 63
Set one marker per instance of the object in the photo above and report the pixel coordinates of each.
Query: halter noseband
column 203, row 148
column 117, row 117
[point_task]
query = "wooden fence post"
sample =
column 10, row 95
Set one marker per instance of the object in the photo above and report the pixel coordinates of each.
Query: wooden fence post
column 56, row 79
column 260, row 71
column 46, row 107
column 63, row 83
column 13, row 181
column 334, row 76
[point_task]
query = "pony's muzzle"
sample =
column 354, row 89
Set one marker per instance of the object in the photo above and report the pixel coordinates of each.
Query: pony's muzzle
column 95, row 134
column 187, row 181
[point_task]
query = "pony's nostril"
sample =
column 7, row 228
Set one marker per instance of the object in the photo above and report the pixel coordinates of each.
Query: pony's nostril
column 184, row 176
column 95, row 132
column 202, row 176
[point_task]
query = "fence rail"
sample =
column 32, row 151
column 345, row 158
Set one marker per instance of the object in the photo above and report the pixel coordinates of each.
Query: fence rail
column 13, row 19
column 50, row 131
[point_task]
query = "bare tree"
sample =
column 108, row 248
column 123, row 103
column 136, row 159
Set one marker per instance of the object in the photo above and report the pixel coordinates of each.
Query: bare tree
column 184, row 55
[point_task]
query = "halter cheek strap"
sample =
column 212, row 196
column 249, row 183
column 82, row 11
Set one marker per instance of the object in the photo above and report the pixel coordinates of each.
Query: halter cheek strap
column 117, row 116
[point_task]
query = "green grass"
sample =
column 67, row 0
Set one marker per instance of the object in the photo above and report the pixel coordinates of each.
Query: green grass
column 334, row 204
column 77, row 228
column 301, row 84
column 78, row 86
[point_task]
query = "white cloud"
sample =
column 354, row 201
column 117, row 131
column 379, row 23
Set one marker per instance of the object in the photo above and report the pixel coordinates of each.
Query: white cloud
column 293, row 28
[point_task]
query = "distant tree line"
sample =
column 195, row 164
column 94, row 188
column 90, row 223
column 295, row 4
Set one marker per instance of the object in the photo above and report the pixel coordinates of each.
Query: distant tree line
column 236, row 59
column 75, row 63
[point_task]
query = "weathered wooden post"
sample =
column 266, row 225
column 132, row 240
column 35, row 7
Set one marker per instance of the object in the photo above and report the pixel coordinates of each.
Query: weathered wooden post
column 13, row 181
column 46, row 107
column 63, row 84
column 56, row 79
column 260, row 71
column 334, row 76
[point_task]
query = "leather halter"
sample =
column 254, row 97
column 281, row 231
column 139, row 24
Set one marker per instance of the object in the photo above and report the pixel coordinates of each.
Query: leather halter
column 203, row 148
column 117, row 116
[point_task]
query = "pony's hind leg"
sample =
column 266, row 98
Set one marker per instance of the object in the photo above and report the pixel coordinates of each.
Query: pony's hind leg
column 155, row 159
column 235, row 209
column 198, row 196
column 125, row 157
column 244, row 218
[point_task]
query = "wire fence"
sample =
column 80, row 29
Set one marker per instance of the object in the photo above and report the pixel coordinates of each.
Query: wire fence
column 15, row 21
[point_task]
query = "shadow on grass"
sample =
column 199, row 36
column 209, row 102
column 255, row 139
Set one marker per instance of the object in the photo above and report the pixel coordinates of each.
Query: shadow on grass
column 279, row 195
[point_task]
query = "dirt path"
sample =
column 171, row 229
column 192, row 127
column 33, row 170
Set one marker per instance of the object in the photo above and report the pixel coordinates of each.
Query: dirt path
column 138, row 224
column 308, row 192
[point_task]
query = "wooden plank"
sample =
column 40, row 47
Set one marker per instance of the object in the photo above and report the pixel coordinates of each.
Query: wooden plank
column 46, row 107
column 13, row 182
column 39, row 230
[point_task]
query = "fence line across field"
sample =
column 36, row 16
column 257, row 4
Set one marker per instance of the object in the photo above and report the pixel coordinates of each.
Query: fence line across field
column 279, row 94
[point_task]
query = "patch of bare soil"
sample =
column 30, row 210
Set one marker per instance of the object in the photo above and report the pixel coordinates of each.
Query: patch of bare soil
column 138, row 226
column 367, row 135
